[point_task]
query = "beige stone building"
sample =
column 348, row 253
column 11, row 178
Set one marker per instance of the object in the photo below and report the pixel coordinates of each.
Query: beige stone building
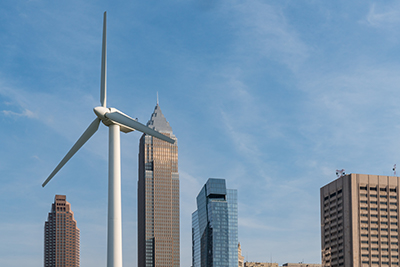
column 240, row 257
column 359, row 221
column 260, row 264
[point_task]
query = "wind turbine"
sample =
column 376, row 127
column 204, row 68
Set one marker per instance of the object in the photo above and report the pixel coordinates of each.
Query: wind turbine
column 116, row 122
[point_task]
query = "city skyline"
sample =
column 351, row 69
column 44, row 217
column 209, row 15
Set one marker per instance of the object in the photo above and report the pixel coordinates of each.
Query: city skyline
column 272, row 96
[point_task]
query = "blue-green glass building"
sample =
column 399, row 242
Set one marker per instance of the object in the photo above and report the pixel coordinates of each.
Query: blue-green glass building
column 215, row 226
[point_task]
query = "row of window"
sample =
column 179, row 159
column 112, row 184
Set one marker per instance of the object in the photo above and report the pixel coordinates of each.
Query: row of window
column 381, row 189
column 377, row 263
column 382, row 249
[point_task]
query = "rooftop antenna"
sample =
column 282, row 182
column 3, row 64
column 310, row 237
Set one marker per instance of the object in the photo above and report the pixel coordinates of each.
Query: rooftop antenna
column 394, row 169
column 340, row 173
column 157, row 98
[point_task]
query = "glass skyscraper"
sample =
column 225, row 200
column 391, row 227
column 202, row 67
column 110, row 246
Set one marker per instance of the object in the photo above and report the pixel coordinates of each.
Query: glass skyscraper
column 215, row 226
column 158, row 197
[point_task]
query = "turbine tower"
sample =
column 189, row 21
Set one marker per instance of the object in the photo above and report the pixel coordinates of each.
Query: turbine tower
column 116, row 122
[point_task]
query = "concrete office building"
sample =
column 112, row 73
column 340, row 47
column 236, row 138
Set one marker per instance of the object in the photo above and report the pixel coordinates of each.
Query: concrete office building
column 359, row 221
column 215, row 226
column 158, row 197
column 61, row 236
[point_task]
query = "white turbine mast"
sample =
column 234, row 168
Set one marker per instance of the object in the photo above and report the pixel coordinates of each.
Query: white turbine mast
column 116, row 122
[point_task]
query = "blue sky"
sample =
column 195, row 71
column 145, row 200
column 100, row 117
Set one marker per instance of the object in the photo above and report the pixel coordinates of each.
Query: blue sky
column 273, row 96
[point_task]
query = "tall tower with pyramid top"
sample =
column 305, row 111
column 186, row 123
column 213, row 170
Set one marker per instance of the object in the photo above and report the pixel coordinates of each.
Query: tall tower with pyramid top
column 158, row 197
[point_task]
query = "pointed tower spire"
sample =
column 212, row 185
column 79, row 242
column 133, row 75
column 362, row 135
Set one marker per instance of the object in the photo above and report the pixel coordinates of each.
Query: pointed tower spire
column 157, row 98
column 158, row 121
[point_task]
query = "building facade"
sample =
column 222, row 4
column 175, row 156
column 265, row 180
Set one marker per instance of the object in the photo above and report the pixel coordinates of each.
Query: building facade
column 240, row 257
column 158, row 197
column 215, row 226
column 359, row 221
column 61, row 236
column 260, row 264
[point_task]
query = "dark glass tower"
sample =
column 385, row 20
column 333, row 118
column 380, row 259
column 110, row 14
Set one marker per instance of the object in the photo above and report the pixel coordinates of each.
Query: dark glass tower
column 61, row 236
column 158, row 197
column 215, row 226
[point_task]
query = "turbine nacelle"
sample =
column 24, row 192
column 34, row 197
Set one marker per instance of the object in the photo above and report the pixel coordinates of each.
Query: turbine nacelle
column 102, row 112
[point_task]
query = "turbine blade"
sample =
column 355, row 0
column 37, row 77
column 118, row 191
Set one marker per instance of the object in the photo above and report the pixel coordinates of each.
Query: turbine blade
column 103, row 86
column 81, row 141
column 124, row 119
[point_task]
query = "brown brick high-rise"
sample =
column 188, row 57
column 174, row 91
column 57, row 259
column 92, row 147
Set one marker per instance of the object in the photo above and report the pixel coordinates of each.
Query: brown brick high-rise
column 61, row 236
column 158, row 197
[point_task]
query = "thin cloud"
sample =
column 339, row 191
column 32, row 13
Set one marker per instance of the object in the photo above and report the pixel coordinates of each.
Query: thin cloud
column 26, row 113
column 383, row 16
column 264, row 31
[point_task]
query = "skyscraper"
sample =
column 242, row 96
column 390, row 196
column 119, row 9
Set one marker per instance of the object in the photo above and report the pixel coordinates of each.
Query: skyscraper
column 158, row 197
column 61, row 236
column 215, row 226
column 360, row 221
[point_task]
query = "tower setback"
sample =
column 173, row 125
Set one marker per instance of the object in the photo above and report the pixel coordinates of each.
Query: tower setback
column 61, row 236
